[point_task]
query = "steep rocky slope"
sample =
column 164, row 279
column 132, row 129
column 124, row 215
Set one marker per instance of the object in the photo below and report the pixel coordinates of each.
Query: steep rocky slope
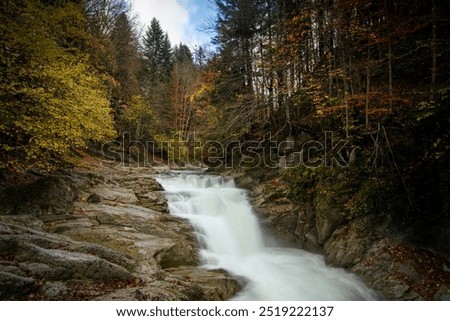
column 366, row 245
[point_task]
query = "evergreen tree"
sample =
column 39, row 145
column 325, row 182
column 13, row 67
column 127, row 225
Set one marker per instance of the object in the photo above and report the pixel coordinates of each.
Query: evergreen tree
column 157, row 52
column 182, row 53
column 200, row 56
column 156, row 74
column 127, row 60
column 236, row 27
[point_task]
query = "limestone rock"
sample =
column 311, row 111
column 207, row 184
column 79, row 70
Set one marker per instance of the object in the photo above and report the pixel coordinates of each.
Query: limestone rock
column 103, row 235
column 181, row 253
column 72, row 265
column 348, row 244
column 115, row 194
column 48, row 195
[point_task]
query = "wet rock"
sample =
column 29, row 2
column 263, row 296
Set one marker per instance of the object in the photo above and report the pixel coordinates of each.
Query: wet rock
column 215, row 284
column 184, row 283
column 328, row 217
column 276, row 212
column 155, row 201
column 181, row 253
column 305, row 231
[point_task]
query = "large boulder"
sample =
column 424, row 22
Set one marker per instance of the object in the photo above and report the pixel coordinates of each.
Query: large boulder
column 47, row 195
column 70, row 264
column 349, row 243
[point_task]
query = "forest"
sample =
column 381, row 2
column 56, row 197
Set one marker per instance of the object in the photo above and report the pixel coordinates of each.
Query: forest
column 80, row 74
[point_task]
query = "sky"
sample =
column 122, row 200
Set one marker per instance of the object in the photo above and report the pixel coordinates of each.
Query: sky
column 183, row 20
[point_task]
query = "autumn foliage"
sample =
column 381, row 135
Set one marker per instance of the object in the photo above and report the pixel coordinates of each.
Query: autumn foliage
column 52, row 100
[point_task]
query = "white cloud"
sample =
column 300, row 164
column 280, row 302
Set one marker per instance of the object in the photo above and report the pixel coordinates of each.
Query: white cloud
column 182, row 19
column 173, row 16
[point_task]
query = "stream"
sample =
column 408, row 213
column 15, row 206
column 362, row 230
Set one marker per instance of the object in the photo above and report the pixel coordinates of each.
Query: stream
column 230, row 238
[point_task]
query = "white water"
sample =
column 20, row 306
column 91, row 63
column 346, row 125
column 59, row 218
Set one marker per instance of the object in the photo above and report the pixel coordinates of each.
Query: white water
column 231, row 239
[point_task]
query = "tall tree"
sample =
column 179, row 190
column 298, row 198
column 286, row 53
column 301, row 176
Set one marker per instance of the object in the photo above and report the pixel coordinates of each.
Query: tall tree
column 185, row 77
column 157, row 50
column 200, row 56
column 156, row 75
column 102, row 15
column 236, row 26
column 127, row 60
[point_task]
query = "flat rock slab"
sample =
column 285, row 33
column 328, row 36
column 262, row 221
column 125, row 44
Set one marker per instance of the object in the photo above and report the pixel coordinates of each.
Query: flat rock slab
column 121, row 244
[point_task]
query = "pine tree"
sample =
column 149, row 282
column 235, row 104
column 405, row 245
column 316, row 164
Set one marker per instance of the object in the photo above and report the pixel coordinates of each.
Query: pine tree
column 157, row 52
column 156, row 75
column 238, row 24
column 182, row 53
column 127, row 60
column 200, row 56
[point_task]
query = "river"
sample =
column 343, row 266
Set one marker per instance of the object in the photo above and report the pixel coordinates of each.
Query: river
column 230, row 238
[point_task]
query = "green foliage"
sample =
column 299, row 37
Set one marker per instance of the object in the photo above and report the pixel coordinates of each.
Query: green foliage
column 52, row 102
column 182, row 53
column 155, row 77
column 429, row 122
column 360, row 201
column 127, row 60
column 343, row 189
column 157, row 52
column 301, row 182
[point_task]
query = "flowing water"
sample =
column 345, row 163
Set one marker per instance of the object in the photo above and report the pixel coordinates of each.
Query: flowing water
column 230, row 238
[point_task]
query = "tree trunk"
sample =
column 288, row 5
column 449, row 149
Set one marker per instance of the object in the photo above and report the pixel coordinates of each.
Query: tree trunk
column 367, row 87
column 433, row 49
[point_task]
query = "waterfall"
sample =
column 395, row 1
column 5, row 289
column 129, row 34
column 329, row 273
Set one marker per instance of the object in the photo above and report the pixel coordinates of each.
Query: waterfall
column 231, row 239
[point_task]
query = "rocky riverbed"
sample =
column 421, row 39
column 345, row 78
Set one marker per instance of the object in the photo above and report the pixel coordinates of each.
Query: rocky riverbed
column 105, row 233
column 100, row 233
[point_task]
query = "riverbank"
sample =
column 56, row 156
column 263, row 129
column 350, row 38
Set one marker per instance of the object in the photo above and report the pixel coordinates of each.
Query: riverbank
column 99, row 233
column 104, row 233
column 367, row 246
